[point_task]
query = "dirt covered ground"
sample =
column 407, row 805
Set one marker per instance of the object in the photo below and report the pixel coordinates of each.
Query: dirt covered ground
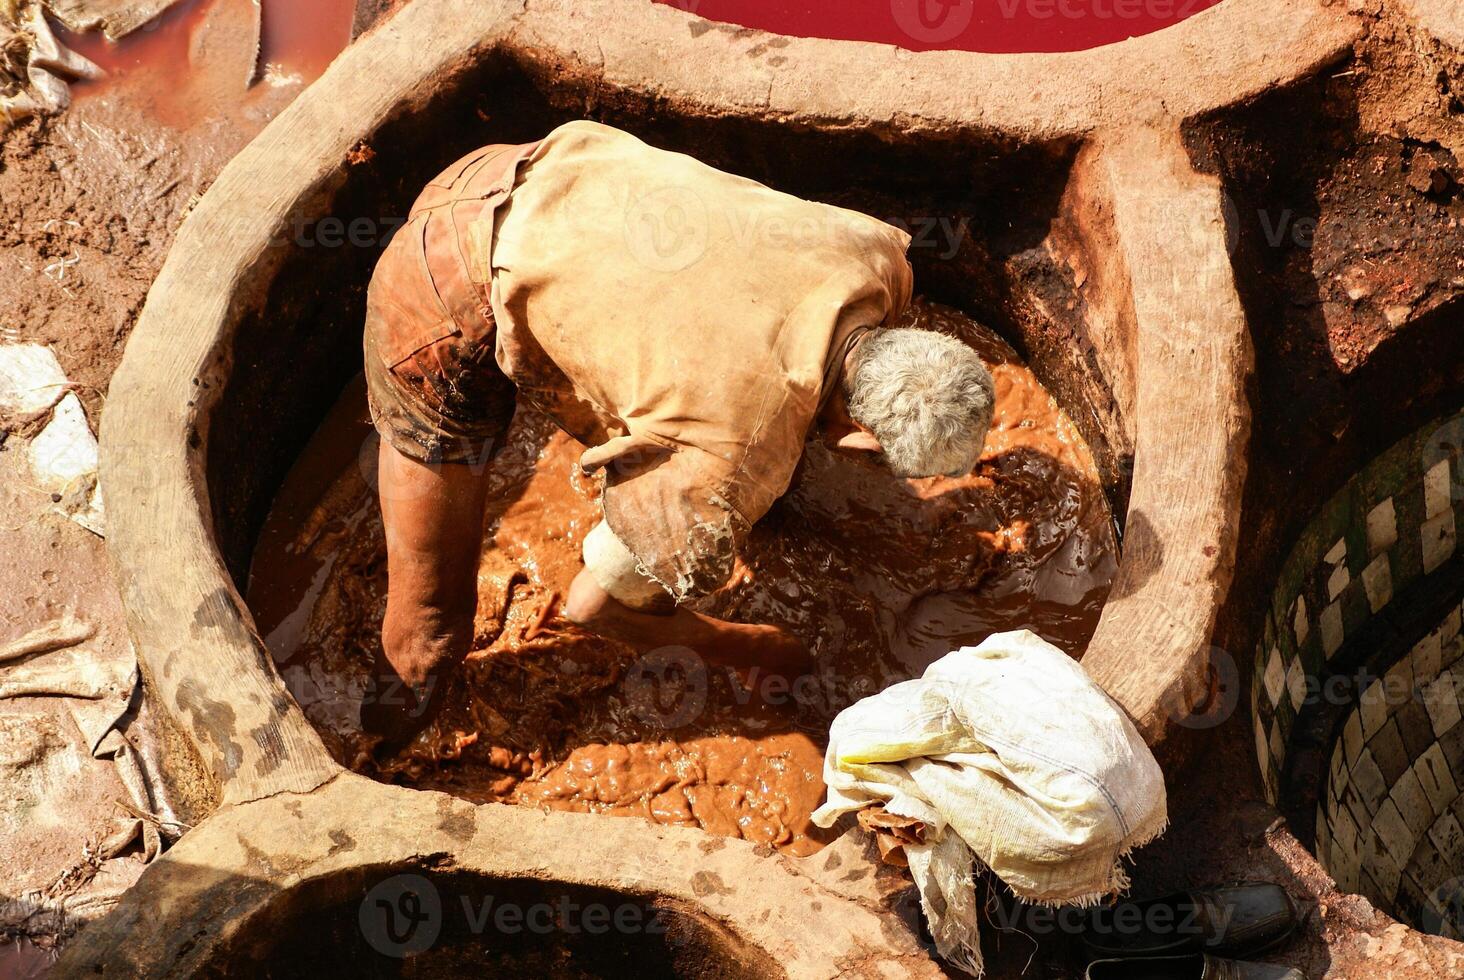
column 89, row 203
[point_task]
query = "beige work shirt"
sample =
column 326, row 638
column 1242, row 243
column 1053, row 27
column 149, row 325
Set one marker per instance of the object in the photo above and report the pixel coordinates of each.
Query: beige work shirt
column 686, row 324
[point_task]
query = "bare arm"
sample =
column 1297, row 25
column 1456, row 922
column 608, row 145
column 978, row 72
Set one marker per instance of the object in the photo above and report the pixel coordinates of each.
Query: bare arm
column 735, row 644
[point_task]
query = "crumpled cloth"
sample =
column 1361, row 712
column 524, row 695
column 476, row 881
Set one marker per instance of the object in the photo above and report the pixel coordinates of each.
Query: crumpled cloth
column 102, row 688
column 1009, row 754
column 48, row 65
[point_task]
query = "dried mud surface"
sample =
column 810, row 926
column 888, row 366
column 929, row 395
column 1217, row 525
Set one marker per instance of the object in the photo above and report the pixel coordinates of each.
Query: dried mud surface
column 89, row 204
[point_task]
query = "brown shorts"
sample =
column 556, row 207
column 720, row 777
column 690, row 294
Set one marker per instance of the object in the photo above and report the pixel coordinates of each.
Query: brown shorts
column 433, row 383
column 445, row 403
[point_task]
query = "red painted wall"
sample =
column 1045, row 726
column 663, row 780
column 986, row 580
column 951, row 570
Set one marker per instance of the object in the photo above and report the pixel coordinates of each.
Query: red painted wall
column 998, row 26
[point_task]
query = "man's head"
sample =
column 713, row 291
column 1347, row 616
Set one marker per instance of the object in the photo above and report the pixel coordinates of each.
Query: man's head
column 924, row 398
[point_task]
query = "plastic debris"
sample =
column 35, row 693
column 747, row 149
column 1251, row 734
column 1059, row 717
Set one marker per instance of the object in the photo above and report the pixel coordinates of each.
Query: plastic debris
column 64, row 459
column 117, row 18
column 55, row 635
column 31, row 381
column 34, row 66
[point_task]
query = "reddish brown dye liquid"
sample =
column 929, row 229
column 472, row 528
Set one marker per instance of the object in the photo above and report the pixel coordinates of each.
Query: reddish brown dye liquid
column 196, row 61
column 880, row 576
column 20, row 959
column 992, row 26
column 302, row 37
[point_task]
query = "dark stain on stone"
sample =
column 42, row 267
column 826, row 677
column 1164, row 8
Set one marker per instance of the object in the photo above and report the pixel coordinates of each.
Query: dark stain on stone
column 758, row 50
column 764, row 850
column 712, row 844
column 272, row 745
column 213, row 724
column 701, row 27
column 293, row 808
column 212, row 610
column 257, row 858
column 705, row 883
column 340, row 841
column 275, row 863
column 456, row 821
column 261, row 655
column 439, row 861
column 833, row 861
column 855, row 874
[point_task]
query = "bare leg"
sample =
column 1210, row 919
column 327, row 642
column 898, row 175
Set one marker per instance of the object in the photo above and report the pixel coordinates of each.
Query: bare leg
column 433, row 517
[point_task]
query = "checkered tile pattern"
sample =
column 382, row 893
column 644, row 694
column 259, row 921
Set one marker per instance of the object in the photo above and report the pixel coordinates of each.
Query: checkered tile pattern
column 1390, row 820
column 1388, row 824
column 1393, row 523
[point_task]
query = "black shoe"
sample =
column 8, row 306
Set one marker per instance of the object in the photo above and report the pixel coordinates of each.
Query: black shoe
column 1241, row 920
column 1196, row 966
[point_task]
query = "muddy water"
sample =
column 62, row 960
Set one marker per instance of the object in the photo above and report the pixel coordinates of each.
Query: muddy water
column 197, row 61
column 878, row 575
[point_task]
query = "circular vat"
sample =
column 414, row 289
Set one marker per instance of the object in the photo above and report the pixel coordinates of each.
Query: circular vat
column 1057, row 241
column 310, row 557
column 1357, row 685
column 414, row 921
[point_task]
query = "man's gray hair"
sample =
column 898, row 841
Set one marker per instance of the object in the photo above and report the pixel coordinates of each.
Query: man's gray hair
column 926, row 397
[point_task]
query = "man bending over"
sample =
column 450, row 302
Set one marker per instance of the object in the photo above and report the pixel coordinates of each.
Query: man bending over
column 691, row 327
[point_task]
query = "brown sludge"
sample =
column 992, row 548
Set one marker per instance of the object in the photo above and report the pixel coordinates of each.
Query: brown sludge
column 879, row 576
